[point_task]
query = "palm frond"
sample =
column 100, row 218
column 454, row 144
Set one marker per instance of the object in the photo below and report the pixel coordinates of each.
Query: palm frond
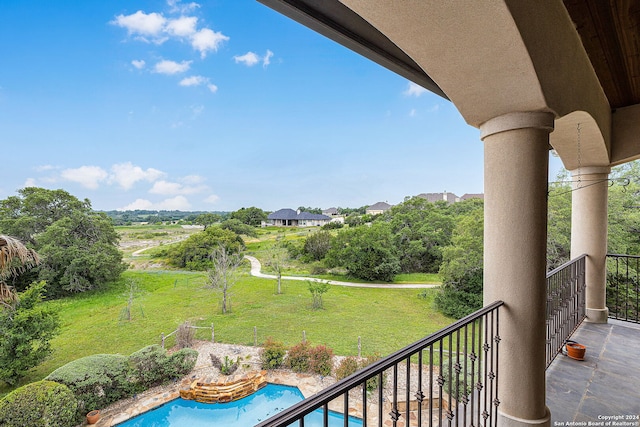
column 15, row 257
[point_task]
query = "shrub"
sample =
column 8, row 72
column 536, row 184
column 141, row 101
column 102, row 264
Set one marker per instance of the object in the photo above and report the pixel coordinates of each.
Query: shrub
column 321, row 360
column 43, row 403
column 150, row 366
column 183, row 361
column 347, row 366
column 272, row 354
column 185, row 337
column 97, row 380
column 298, row 357
column 227, row 367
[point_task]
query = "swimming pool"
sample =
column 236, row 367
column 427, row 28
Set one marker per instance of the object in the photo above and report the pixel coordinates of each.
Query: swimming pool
column 245, row 412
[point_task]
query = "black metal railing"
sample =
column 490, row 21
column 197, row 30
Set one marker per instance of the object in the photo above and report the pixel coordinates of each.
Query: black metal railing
column 565, row 304
column 448, row 378
column 623, row 287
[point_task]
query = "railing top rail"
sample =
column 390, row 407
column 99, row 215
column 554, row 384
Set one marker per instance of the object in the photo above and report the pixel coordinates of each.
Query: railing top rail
column 565, row 265
column 316, row 401
column 623, row 256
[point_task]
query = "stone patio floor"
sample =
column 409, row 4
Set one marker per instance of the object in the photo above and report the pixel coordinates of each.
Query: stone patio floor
column 606, row 383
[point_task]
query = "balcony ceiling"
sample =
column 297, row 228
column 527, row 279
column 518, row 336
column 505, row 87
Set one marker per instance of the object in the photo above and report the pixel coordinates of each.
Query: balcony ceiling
column 609, row 30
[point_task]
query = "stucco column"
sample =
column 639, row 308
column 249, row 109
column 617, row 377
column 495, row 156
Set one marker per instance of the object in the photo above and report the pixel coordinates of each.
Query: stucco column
column 516, row 164
column 589, row 234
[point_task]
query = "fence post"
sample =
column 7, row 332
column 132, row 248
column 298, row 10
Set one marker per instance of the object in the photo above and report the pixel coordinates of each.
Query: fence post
column 213, row 334
column 255, row 336
column 162, row 337
column 359, row 347
column 304, row 336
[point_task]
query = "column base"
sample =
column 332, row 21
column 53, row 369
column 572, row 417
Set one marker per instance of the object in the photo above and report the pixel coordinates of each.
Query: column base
column 597, row 315
column 505, row 420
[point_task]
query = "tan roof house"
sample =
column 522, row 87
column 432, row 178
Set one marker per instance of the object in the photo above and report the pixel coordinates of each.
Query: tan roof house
column 378, row 208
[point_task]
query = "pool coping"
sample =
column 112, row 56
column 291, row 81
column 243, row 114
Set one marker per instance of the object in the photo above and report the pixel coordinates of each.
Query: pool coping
column 126, row 409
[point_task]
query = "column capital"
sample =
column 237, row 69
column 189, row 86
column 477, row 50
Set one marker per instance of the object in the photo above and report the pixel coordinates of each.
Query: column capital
column 591, row 170
column 517, row 120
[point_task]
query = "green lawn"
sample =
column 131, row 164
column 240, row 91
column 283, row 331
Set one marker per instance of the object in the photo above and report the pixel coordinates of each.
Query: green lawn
column 385, row 319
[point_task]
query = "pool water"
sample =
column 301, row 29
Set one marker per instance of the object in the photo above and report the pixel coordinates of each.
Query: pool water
column 245, row 412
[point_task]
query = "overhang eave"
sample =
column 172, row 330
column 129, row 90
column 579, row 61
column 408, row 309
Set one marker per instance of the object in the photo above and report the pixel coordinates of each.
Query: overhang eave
column 337, row 22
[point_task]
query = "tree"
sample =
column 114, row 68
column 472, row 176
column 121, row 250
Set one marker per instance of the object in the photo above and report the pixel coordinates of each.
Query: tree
column 559, row 221
column 277, row 256
column 310, row 210
column 194, row 253
column 35, row 209
column 222, row 275
column 251, row 216
column 462, row 267
column 366, row 252
column 421, row 229
column 239, row 227
column 15, row 258
column 317, row 289
column 26, row 329
column 317, row 245
column 78, row 246
column 207, row 219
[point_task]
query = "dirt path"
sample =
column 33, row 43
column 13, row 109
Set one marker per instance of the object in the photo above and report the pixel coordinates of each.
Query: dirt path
column 256, row 268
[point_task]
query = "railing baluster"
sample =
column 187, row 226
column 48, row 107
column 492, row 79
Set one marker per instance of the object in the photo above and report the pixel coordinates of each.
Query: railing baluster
column 454, row 360
column 623, row 290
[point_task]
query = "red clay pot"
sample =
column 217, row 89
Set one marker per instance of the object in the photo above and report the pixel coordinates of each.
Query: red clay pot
column 93, row 417
column 576, row 351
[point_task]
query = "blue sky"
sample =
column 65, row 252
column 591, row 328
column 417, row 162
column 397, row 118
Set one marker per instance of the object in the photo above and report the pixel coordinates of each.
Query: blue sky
column 214, row 105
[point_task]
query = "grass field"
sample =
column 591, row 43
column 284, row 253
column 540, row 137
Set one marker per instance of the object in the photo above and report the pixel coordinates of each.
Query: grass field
column 385, row 319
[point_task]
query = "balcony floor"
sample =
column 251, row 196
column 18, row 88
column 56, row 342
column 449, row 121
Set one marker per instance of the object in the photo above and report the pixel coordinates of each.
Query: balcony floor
column 605, row 383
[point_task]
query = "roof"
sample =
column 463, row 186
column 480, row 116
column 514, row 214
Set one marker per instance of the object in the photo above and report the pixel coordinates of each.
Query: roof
column 472, row 196
column 290, row 214
column 607, row 29
column 330, row 211
column 380, row 206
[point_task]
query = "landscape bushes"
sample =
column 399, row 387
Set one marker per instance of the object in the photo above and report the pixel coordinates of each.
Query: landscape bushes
column 272, row 354
column 43, row 403
column 102, row 379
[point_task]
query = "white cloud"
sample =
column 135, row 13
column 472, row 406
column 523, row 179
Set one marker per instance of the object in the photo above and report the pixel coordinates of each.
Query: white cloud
column 193, row 179
column 44, row 168
column 177, row 7
column 167, row 188
column 184, row 26
column 139, row 64
column 178, row 203
column 151, row 24
column 212, row 199
column 172, row 67
column 206, row 40
column 126, row 174
column 249, row 59
column 197, row 81
column 139, row 204
column 266, row 60
column 30, row 182
column 87, row 176
column 193, row 81
column 414, row 90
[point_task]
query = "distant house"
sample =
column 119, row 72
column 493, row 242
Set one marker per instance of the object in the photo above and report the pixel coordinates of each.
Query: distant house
column 291, row 218
column 330, row 212
column 437, row 197
column 468, row 196
column 378, row 208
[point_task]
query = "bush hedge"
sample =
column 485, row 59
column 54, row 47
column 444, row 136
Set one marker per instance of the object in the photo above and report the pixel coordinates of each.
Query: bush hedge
column 272, row 354
column 43, row 403
column 101, row 379
column 303, row 357
column 97, row 380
